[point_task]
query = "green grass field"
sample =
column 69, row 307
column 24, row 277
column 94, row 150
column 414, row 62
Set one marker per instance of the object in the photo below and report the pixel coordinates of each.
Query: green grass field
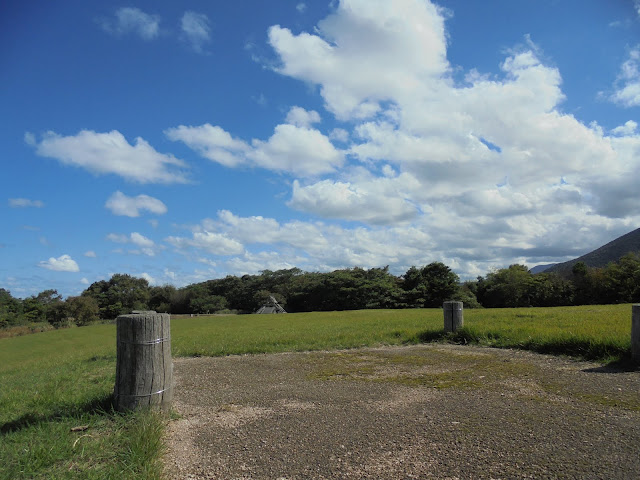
column 54, row 381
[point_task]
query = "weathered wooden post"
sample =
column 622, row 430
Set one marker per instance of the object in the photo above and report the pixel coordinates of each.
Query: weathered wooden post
column 453, row 319
column 144, row 370
column 635, row 332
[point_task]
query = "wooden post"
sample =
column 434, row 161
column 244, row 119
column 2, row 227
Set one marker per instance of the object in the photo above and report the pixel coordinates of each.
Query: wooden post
column 144, row 370
column 635, row 333
column 453, row 318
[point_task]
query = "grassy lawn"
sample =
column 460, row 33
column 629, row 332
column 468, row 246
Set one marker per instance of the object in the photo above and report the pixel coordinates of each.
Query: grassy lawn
column 52, row 382
column 594, row 332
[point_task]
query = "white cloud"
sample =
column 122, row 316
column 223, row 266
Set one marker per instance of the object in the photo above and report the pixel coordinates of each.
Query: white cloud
column 84, row 281
column 117, row 238
column 295, row 149
column 146, row 245
column 366, row 52
column 376, row 201
column 628, row 128
column 211, row 142
column 300, row 117
column 301, row 7
column 196, row 30
column 63, row 263
column 214, row 243
column 24, row 203
column 477, row 174
column 339, row 134
column 90, row 254
column 110, row 153
column 141, row 240
column 298, row 150
column 120, row 204
column 148, row 278
column 251, row 264
column 627, row 88
column 133, row 20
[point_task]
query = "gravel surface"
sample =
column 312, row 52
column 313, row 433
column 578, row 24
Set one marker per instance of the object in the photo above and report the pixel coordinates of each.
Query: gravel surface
column 426, row 411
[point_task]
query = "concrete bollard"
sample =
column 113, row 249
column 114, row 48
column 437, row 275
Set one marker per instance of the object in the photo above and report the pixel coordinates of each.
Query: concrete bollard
column 635, row 333
column 144, row 369
column 453, row 317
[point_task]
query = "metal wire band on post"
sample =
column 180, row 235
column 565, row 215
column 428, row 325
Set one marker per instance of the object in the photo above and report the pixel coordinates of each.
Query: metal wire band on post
column 148, row 342
column 145, row 395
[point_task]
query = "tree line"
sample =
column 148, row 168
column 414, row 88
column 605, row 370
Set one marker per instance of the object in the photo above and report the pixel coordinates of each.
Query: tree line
column 346, row 289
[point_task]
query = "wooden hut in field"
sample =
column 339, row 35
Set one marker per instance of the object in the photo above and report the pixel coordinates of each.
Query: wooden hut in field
column 271, row 306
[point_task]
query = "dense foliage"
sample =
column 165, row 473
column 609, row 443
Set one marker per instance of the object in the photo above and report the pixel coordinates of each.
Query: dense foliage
column 346, row 289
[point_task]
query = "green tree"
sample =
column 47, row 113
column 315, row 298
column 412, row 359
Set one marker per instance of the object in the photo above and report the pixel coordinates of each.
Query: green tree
column 40, row 307
column 83, row 309
column 10, row 309
column 201, row 301
column 121, row 294
column 430, row 286
column 507, row 287
column 161, row 298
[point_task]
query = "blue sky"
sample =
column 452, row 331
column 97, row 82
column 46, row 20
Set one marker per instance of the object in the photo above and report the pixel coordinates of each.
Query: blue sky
column 184, row 141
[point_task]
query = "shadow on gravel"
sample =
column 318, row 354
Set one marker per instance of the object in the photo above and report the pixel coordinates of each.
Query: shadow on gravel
column 624, row 365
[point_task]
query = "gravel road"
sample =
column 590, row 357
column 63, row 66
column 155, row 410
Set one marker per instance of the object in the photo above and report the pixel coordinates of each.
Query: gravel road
column 426, row 411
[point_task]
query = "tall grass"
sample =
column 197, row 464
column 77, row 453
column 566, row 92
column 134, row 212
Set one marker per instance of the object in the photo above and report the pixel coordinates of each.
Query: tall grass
column 592, row 332
column 54, row 381
column 231, row 335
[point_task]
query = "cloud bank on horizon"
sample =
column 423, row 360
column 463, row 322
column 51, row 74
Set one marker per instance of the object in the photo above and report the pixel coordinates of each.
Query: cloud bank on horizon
column 396, row 155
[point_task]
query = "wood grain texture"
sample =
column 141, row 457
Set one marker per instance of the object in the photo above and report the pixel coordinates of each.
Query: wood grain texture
column 144, row 369
column 453, row 316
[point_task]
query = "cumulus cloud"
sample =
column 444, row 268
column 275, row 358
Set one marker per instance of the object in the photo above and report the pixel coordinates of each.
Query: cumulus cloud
column 300, row 117
column 307, row 245
column 196, row 30
column 214, row 243
column 111, row 153
column 148, row 278
column 296, row 149
column 121, row 204
column 135, row 21
column 378, row 201
column 627, row 87
column 628, row 128
column 25, row 202
column 299, row 150
column 212, row 142
column 366, row 52
column 64, row 263
column 145, row 245
column 477, row 173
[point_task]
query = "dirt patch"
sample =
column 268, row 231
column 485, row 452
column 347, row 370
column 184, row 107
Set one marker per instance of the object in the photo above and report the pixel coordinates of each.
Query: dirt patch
column 427, row 411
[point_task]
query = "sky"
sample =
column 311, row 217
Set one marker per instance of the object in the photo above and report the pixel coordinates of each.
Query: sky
column 186, row 141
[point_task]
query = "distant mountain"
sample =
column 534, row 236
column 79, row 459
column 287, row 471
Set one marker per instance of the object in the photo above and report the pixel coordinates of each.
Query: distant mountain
column 542, row 268
column 611, row 252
